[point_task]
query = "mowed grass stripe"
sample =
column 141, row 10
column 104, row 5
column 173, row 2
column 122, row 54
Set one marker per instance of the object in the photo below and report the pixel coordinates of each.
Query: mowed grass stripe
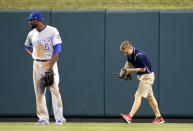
column 96, row 4
column 30, row 126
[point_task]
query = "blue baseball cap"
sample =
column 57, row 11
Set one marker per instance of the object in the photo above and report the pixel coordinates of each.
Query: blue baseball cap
column 35, row 16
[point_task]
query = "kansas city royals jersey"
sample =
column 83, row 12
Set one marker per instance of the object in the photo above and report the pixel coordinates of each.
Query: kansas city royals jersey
column 42, row 42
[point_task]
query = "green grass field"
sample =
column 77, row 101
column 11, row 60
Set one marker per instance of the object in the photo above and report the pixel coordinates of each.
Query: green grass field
column 97, row 4
column 30, row 126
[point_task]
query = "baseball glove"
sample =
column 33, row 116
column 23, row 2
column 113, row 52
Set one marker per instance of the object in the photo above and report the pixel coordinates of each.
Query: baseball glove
column 123, row 75
column 47, row 79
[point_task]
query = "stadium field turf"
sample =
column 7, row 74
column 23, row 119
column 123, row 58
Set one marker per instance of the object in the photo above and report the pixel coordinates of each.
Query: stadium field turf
column 75, row 126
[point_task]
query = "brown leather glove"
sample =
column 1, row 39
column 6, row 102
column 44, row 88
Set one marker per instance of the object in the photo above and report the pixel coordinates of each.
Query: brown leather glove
column 123, row 75
column 47, row 79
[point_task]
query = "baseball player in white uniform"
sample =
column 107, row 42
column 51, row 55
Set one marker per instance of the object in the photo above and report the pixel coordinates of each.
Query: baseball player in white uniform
column 43, row 43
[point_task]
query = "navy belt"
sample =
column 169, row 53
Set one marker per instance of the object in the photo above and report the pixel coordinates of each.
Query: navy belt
column 41, row 60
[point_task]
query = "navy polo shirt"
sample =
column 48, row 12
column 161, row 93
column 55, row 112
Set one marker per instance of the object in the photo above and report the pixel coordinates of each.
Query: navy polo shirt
column 139, row 59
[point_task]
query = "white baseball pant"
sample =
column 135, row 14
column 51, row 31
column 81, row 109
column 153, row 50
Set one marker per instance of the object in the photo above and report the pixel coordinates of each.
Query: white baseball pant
column 39, row 68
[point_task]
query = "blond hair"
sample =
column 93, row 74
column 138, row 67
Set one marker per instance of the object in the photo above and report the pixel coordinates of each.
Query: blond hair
column 125, row 44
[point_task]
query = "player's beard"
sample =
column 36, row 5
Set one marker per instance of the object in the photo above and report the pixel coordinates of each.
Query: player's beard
column 33, row 26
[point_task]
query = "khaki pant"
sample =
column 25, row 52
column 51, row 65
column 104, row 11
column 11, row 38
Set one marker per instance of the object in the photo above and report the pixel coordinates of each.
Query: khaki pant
column 145, row 84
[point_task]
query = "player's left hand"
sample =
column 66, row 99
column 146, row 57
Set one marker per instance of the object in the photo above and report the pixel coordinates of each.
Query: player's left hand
column 48, row 78
column 51, row 65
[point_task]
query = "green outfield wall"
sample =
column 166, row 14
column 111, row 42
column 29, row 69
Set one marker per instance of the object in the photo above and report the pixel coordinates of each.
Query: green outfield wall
column 90, row 55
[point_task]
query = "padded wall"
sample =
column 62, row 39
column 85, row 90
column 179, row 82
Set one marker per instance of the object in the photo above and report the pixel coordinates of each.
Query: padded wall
column 82, row 61
column 176, row 62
